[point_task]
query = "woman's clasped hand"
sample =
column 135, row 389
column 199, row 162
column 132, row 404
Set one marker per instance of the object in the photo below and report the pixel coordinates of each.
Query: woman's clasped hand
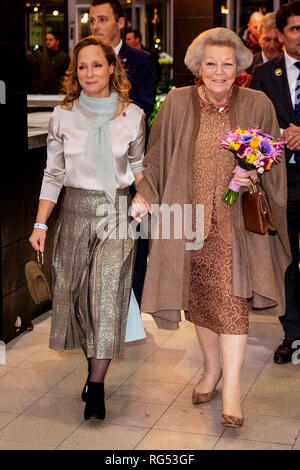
column 139, row 207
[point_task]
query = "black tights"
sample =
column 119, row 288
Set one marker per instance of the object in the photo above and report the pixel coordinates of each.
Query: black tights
column 97, row 367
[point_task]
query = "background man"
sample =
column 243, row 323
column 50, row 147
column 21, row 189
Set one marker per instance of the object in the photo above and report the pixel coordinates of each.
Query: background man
column 268, row 40
column 50, row 67
column 251, row 39
column 107, row 20
column 280, row 80
column 134, row 39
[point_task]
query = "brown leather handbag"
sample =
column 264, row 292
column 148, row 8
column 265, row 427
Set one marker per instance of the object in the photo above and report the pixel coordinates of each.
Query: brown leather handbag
column 36, row 281
column 256, row 210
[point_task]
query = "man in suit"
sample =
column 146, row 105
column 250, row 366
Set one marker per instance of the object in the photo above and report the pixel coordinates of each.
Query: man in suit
column 107, row 20
column 268, row 41
column 134, row 39
column 280, row 80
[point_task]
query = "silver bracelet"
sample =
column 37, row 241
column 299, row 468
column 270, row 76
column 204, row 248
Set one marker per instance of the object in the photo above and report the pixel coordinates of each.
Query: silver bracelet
column 43, row 226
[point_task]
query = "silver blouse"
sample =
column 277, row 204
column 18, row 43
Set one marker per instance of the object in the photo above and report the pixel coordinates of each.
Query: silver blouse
column 67, row 164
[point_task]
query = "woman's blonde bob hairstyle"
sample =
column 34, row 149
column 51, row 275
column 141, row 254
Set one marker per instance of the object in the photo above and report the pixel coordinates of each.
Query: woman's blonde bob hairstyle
column 217, row 37
column 118, row 80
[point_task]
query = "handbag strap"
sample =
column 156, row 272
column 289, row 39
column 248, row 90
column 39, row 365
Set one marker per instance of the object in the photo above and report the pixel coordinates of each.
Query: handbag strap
column 40, row 258
column 263, row 204
column 254, row 187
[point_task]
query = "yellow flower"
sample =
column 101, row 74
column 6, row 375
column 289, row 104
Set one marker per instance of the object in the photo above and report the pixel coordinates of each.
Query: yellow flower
column 254, row 143
column 254, row 152
column 250, row 159
column 237, row 146
column 254, row 133
column 239, row 131
column 245, row 132
column 268, row 165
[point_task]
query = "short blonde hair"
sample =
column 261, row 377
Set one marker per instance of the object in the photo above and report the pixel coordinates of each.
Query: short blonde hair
column 268, row 22
column 217, row 37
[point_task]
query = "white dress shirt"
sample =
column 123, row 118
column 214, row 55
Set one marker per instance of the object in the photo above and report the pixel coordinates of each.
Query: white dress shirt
column 67, row 163
column 118, row 47
column 264, row 57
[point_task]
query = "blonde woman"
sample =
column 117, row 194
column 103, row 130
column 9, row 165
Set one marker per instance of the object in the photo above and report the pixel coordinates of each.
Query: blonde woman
column 95, row 150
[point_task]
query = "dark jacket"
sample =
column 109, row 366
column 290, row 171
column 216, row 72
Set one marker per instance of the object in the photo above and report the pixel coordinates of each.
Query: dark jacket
column 141, row 72
column 49, row 68
column 257, row 60
column 271, row 78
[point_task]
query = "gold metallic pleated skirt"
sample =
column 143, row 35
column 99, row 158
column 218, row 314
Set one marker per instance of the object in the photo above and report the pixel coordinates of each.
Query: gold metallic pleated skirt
column 92, row 275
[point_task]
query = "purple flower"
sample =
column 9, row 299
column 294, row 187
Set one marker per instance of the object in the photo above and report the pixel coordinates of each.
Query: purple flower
column 265, row 147
column 246, row 138
column 242, row 149
column 266, row 136
column 224, row 143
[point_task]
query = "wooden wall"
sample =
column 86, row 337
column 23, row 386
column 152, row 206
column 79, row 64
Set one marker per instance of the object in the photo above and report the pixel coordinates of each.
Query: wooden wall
column 191, row 17
column 21, row 174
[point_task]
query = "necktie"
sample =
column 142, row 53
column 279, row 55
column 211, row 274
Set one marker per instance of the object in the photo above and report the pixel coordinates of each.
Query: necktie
column 297, row 108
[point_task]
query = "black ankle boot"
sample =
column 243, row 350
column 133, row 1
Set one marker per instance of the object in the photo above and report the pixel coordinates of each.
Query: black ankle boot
column 85, row 388
column 95, row 405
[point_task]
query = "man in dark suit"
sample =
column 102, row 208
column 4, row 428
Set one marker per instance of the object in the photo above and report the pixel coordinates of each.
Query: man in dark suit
column 268, row 41
column 280, row 80
column 134, row 39
column 107, row 20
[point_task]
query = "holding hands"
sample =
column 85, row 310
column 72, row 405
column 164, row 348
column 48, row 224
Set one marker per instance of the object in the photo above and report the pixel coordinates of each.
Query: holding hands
column 139, row 207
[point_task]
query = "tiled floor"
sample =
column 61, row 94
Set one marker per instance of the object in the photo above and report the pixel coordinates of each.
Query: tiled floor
column 148, row 395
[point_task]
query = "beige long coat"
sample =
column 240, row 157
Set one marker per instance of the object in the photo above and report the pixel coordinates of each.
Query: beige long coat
column 259, row 262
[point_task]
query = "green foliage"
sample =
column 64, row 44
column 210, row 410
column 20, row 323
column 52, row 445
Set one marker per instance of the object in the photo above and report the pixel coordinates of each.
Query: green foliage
column 158, row 102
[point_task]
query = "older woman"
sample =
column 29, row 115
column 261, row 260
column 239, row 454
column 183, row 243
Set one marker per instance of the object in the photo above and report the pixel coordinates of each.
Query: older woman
column 95, row 149
column 235, row 271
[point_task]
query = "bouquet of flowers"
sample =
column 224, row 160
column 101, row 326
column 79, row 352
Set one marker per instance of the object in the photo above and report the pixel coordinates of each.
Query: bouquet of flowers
column 253, row 150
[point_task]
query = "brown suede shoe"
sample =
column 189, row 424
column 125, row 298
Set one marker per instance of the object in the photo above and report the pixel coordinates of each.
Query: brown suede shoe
column 232, row 421
column 198, row 398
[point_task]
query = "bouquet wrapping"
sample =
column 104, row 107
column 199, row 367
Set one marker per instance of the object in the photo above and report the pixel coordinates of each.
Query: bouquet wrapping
column 253, row 150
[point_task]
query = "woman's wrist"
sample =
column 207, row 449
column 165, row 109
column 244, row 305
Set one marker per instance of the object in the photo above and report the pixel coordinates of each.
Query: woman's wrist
column 137, row 178
column 42, row 226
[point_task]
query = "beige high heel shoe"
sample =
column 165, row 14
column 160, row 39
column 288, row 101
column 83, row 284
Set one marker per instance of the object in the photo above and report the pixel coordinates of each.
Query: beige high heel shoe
column 232, row 421
column 198, row 397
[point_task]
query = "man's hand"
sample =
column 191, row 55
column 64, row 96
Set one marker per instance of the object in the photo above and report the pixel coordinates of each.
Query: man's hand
column 291, row 137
